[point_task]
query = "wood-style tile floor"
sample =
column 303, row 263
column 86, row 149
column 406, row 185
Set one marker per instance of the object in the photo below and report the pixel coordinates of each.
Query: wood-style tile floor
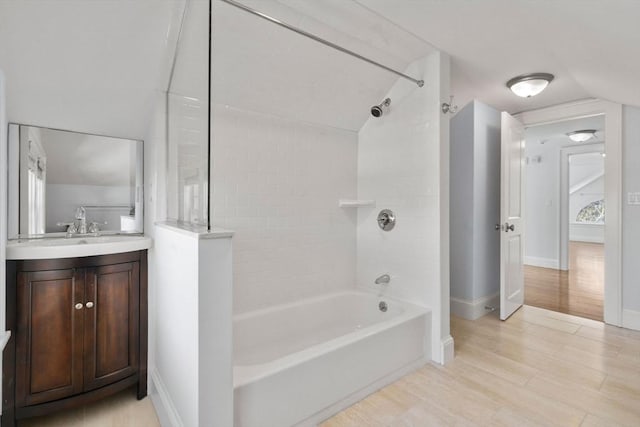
column 579, row 291
column 120, row 410
column 539, row 368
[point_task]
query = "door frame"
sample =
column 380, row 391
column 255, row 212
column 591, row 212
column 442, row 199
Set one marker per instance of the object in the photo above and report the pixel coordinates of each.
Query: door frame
column 613, row 187
column 565, row 222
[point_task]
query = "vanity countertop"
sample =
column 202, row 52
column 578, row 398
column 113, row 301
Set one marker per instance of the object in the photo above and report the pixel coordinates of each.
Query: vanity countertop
column 72, row 247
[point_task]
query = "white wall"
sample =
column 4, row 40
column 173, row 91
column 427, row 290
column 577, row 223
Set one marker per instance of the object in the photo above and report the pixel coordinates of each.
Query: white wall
column 486, row 188
column 631, row 216
column 276, row 183
column 154, row 196
column 175, row 368
column 3, row 212
column 542, row 204
column 400, row 165
column 462, row 206
column 192, row 371
column 475, row 209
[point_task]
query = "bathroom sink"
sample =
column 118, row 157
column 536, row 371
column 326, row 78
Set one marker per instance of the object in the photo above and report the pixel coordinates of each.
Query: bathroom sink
column 72, row 247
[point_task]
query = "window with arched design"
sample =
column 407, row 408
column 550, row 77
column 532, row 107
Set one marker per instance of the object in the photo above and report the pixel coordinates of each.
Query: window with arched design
column 592, row 213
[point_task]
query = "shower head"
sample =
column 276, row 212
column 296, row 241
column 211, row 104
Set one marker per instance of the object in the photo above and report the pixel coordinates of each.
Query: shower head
column 378, row 110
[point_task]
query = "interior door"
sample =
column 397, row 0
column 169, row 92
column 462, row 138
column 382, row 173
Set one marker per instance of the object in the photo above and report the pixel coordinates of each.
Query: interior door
column 511, row 212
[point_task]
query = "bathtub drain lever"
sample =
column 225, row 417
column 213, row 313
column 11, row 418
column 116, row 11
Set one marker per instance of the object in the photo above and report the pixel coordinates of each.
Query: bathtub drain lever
column 383, row 280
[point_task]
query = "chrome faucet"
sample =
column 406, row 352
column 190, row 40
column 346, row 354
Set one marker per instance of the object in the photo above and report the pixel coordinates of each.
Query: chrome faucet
column 81, row 216
column 383, row 280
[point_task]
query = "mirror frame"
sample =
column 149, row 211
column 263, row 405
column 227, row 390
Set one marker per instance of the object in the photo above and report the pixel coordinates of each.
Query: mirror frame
column 13, row 190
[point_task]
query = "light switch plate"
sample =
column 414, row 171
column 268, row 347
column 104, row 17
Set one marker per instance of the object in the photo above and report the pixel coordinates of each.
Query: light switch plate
column 633, row 198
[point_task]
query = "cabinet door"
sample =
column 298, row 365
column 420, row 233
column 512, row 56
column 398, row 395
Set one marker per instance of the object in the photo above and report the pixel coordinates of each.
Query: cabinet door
column 111, row 323
column 49, row 335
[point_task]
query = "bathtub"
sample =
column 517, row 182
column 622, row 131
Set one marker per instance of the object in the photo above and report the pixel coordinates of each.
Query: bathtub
column 298, row 364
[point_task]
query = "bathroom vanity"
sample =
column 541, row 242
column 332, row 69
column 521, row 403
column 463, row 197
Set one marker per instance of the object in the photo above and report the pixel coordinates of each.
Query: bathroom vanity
column 76, row 277
column 79, row 323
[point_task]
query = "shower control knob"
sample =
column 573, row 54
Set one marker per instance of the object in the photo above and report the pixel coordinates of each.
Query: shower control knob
column 386, row 220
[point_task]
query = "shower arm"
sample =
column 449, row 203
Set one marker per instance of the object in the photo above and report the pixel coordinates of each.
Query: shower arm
column 241, row 6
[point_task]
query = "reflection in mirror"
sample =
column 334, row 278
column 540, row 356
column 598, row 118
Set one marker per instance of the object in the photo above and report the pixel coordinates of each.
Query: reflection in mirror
column 73, row 183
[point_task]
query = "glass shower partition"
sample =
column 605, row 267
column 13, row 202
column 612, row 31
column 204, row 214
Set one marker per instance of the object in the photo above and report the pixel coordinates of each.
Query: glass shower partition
column 188, row 120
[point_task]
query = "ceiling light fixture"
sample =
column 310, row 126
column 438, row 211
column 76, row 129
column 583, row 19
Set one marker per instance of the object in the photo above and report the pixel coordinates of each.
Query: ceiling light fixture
column 582, row 135
column 528, row 85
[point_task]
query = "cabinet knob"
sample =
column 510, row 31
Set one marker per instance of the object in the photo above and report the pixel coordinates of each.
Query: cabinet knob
column 79, row 306
column 89, row 304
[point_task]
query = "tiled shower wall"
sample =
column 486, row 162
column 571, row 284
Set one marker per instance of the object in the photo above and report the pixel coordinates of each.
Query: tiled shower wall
column 402, row 164
column 276, row 183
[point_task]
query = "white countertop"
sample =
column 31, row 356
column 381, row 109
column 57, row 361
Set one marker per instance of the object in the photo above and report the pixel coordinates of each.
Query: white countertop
column 196, row 231
column 61, row 247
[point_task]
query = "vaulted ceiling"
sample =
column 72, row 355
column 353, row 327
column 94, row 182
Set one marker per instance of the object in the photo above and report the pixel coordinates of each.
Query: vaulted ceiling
column 92, row 66
column 97, row 66
column 592, row 47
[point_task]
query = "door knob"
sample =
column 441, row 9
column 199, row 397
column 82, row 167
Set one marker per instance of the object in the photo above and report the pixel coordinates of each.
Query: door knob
column 89, row 304
column 79, row 306
column 508, row 227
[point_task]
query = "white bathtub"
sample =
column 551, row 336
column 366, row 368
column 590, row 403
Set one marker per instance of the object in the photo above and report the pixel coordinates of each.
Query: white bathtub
column 300, row 363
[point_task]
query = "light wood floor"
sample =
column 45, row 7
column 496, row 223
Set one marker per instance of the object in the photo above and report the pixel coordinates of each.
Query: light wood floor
column 579, row 291
column 120, row 410
column 539, row 368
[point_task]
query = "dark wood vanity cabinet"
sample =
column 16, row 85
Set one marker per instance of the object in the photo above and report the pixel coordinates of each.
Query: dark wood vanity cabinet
column 79, row 332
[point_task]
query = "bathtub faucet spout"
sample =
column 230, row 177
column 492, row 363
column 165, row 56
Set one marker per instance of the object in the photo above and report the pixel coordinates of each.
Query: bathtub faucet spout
column 383, row 280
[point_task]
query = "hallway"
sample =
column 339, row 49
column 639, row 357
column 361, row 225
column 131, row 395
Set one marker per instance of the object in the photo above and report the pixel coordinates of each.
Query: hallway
column 579, row 291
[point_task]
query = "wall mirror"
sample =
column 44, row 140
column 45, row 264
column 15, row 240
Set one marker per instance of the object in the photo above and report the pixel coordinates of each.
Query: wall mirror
column 60, row 179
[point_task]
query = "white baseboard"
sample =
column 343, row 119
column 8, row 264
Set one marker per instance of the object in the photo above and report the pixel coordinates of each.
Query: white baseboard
column 166, row 411
column 542, row 262
column 631, row 319
column 447, row 350
column 586, row 239
column 591, row 233
column 475, row 309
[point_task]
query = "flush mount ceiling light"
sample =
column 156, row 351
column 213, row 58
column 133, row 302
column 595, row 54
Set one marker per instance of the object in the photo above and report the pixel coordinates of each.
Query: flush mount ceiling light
column 581, row 135
column 528, row 85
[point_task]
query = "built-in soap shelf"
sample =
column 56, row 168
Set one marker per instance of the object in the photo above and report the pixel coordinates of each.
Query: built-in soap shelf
column 353, row 203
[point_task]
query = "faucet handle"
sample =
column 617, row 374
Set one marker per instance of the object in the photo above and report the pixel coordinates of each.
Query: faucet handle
column 72, row 229
column 94, row 228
